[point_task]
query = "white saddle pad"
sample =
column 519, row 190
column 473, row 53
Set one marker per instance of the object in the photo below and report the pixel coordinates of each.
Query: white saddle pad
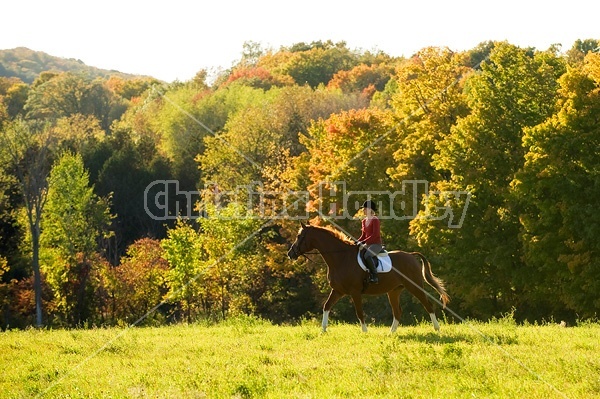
column 384, row 266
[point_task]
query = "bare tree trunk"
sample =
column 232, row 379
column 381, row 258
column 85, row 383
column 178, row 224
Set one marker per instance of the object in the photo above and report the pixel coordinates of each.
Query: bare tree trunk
column 223, row 305
column 35, row 207
column 37, row 278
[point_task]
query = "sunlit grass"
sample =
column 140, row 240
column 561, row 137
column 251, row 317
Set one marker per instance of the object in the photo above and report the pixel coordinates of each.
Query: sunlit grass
column 247, row 358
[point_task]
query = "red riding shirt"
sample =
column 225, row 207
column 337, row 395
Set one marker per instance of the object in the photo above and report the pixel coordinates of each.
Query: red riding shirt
column 371, row 234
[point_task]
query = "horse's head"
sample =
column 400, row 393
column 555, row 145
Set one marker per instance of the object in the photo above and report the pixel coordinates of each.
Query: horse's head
column 299, row 247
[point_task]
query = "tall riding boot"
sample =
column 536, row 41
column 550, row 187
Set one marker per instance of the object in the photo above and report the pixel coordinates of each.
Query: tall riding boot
column 372, row 266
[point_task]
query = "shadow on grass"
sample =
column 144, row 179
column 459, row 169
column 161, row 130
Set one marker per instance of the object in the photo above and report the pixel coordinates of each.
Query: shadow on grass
column 437, row 338
column 503, row 336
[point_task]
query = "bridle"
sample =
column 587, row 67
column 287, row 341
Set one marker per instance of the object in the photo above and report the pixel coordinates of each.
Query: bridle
column 301, row 238
column 299, row 243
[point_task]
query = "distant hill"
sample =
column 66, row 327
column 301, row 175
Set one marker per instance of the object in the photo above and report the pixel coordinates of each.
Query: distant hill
column 27, row 64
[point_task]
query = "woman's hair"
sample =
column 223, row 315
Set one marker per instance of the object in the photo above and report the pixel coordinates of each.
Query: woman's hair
column 371, row 205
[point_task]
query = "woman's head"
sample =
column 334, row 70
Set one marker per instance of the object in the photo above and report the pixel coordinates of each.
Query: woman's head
column 369, row 206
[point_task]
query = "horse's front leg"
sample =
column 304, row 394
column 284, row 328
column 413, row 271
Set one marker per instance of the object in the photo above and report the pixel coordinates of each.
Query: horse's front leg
column 334, row 296
column 357, row 300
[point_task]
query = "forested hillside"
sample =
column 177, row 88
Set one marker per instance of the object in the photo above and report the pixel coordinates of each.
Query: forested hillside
column 26, row 65
column 118, row 195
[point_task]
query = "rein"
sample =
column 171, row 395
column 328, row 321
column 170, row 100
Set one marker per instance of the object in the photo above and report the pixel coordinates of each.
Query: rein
column 321, row 253
column 310, row 253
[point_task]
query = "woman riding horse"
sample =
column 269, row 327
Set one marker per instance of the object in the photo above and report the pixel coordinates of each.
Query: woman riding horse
column 410, row 270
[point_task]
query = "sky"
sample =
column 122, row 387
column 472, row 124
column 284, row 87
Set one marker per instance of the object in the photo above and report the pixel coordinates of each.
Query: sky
column 173, row 40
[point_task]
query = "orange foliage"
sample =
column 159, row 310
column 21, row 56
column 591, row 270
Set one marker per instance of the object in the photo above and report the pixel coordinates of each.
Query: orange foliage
column 139, row 282
column 362, row 77
column 341, row 138
column 249, row 73
column 115, row 84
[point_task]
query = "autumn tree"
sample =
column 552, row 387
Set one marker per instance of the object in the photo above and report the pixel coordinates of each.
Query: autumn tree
column 427, row 102
column 129, row 89
column 363, row 78
column 179, row 117
column 13, row 94
column 350, row 152
column 138, row 285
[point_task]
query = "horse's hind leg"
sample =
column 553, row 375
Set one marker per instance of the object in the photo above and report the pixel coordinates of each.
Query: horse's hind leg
column 334, row 296
column 394, row 298
column 357, row 300
column 421, row 295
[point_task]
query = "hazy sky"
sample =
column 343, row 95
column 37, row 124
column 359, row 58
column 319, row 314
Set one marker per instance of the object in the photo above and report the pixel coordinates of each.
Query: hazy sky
column 175, row 39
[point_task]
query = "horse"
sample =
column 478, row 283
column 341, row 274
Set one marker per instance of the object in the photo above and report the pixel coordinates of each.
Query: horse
column 409, row 270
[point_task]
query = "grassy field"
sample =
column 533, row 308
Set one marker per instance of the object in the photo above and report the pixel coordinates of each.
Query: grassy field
column 248, row 358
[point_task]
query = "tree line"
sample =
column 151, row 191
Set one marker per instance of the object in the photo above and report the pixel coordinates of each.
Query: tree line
column 271, row 141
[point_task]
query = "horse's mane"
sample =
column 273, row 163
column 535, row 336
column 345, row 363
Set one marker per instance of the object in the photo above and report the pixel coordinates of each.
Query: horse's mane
column 336, row 233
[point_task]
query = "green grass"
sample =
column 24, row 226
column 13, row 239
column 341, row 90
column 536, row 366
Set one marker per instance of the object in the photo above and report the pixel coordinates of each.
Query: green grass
column 247, row 358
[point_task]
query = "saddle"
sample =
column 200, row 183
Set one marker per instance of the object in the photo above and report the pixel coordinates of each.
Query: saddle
column 384, row 262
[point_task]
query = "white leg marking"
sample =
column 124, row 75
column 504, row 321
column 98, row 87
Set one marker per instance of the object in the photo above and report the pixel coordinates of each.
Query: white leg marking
column 394, row 325
column 364, row 327
column 436, row 326
column 325, row 320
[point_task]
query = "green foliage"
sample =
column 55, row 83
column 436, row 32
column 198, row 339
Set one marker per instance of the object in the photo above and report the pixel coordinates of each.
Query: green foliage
column 213, row 271
column 258, row 142
column 124, row 170
column 556, row 186
column 319, row 64
column 232, row 259
column 515, row 89
column 427, row 101
column 74, row 219
column 183, row 252
column 26, row 154
column 53, row 96
column 75, row 215
column 576, row 54
column 311, row 64
column 179, row 118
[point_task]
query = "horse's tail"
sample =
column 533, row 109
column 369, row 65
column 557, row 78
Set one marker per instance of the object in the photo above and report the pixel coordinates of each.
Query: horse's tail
column 433, row 280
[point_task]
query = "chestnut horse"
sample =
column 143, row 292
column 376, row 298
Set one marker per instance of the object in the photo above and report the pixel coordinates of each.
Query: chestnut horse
column 409, row 270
